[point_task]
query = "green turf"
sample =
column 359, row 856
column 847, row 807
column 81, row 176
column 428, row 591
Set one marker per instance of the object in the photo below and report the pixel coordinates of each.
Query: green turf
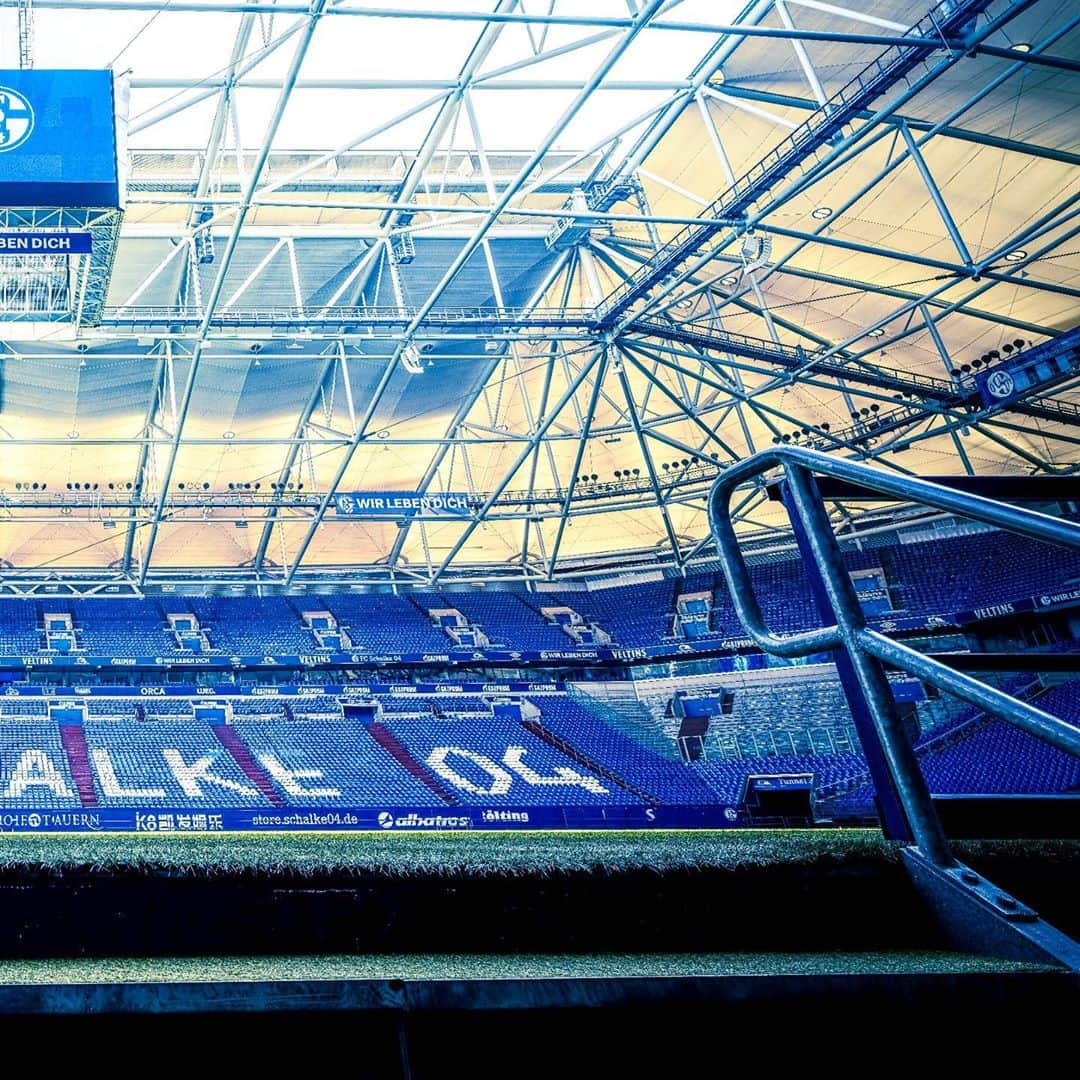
column 427, row 853
column 475, row 966
column 475, row 853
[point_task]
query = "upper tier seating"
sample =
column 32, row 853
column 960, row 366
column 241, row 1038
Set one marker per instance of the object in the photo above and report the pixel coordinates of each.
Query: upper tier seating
column 382, row 622
column 252, row 627
column 129, row 627
column 509, row 619
column 20, row 627
column 634, row 615
column 932, row 577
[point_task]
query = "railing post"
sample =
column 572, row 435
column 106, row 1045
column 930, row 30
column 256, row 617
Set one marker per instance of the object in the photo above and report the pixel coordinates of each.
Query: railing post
column 906, row 807
column 972, row 912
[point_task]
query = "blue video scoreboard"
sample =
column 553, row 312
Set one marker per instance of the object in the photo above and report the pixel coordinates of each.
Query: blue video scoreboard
column 58, row 139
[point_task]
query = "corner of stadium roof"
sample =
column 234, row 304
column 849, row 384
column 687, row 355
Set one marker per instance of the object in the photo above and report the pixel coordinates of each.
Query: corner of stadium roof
column 499, row 304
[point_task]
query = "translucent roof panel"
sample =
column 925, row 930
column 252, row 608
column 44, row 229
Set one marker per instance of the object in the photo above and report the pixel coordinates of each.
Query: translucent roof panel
column 566, row 259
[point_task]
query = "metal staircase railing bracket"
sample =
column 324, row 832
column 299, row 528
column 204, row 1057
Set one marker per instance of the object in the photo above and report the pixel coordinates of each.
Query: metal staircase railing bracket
column 970, row 910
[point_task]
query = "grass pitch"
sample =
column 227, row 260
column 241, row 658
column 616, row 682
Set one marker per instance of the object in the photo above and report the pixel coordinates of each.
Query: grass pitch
column 408, row 854
column 477, row 853
column 224, row 969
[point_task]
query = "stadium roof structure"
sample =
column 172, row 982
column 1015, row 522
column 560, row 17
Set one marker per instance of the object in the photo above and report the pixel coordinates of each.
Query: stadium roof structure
column 566, row 259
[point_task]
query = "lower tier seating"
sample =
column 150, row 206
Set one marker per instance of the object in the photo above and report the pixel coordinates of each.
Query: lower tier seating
column 428, row 751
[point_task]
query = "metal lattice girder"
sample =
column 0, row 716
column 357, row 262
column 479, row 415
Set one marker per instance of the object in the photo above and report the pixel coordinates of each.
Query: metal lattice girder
column 949, row 131
column 957, row 400
column 88, row 275
column 306, row 35
column 639, row 22
column 328, row 216
column 26, row 33
column 824, row 127
column 105, row 229
column 388, row 321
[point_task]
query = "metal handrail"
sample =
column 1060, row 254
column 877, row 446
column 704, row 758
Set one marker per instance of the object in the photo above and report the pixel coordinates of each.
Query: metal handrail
column 798, row 358
column 380, row 313
column 868, row 649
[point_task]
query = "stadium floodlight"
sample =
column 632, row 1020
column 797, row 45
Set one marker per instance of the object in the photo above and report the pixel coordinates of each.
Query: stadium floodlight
column 410, row 359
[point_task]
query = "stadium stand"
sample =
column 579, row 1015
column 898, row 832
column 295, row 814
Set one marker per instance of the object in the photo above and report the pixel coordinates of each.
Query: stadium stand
column 334, row 762
column 251, row 626
column 34, row 766
column 565, row 748
column 412, row 417
column 508, row 618
column 382, row 622
column 165, row 762
column 924, row 578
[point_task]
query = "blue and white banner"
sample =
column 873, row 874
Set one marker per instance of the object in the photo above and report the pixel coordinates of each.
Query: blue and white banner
column 46, row 243
column 396, row 504
column 1021, row 373
column 1058, row 598
column 1000, row 386
column 453, row 657
column 363, row 819
column 1061, row 598
column 295, row 690
column 719, row 649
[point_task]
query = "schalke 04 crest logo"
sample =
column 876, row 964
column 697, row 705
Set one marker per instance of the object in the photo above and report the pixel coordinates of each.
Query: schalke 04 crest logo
column 1001, row 384
column 16, row 119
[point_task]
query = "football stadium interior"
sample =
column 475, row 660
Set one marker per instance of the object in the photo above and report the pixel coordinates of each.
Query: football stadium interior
column 524, row 516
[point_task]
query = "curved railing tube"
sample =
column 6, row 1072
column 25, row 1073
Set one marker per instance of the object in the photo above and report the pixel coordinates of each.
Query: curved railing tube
column 867, row 648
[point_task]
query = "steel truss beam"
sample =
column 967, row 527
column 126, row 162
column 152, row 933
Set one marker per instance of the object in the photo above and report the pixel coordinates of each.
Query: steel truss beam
column 836, row 366
column 641, row 19
column 949, row 131
column 824, row 127
column 313, row 13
